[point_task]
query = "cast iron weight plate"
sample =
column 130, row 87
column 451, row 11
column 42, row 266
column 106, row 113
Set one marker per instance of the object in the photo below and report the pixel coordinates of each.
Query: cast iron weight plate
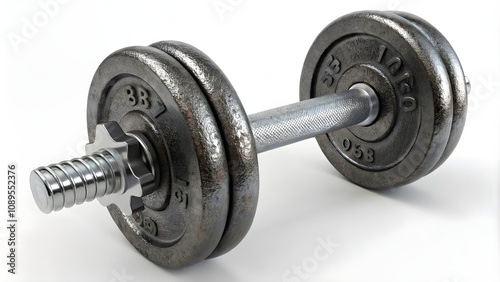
column 456, row 75
column 391, row 152
column 144, row 89
column 236, row 133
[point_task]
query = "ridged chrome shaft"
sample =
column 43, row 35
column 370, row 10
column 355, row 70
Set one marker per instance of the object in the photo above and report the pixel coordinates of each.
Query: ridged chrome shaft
column 119, row 169
column 74, row 182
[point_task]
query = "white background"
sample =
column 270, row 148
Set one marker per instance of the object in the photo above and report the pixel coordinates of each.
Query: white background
column 443, row 228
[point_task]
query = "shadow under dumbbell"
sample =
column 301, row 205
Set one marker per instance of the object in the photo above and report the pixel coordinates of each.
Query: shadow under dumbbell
column 299, row 210
column 448, row 192
column 208, row 270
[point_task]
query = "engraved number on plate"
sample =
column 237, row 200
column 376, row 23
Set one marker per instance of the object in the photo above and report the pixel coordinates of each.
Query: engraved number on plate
column 359, row 152
column 182, row 198
column 403, row 79
column 331, row 71
column 138, row 97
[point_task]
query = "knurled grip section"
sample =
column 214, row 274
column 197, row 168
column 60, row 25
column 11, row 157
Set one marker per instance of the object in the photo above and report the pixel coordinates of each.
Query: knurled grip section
column 306, row 119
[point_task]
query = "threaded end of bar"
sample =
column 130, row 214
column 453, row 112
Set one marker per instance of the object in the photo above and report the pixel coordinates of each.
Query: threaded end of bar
column 74, row 182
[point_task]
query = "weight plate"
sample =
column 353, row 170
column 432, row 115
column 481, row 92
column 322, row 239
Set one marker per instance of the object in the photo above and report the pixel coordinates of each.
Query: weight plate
column 457, row 79
column 237, row 136
column 146, row 90
column 405, row 143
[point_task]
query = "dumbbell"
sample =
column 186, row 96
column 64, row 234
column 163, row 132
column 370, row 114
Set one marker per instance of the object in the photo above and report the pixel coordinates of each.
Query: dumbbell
column 173, row 155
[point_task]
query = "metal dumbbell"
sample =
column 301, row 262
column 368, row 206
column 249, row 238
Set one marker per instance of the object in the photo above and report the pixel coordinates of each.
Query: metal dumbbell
column 174, row 156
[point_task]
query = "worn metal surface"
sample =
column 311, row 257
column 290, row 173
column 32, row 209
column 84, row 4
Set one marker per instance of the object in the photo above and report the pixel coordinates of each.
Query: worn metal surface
column 395, row 58
column 119, row 169
column 236, row 134
column 460, row 86
column 146, row 90
column 296, row 122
